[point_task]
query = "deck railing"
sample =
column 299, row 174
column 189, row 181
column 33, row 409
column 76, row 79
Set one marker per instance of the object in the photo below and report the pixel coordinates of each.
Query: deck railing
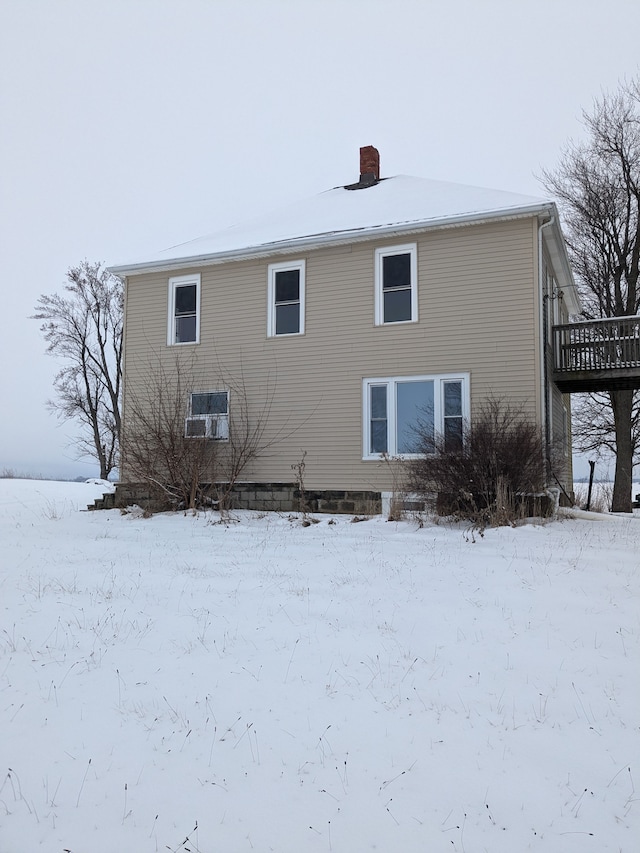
column 597, row 345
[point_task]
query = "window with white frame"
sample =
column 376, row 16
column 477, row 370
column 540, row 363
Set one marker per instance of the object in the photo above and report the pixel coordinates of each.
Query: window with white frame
column 184, row 310
column 286, row 288
column 208, row 415
column 396, row 279
column 400, row 412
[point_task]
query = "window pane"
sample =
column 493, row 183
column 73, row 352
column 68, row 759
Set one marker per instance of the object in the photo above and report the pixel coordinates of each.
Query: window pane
column 396, row 271
column 397, row 306
column 452, row 434
column 414, row 411
column 379, row 401
column 452, row 399
column 287, row 319
column 378, row 437
column 185, row 329
column 288, row 286
column 215, row 403
column 186, row 299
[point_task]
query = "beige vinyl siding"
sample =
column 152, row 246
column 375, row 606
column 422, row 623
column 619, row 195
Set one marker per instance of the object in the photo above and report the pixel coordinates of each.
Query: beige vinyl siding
column 561, row 460
column 477, row 303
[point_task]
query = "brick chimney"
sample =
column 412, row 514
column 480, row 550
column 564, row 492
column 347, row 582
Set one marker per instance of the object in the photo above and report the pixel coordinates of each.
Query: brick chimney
column 369, row 169
column 369, row 165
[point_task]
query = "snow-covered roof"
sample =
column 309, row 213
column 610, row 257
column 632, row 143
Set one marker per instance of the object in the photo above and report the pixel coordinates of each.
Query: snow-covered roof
column 391, row 206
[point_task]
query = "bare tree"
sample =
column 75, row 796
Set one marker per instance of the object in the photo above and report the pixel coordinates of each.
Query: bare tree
column 84, row 329
column 165, row 448
column 597, row 184
column 593, row 427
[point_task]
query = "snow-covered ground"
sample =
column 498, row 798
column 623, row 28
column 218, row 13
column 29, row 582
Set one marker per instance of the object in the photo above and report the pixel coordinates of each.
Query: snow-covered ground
column 174, row 683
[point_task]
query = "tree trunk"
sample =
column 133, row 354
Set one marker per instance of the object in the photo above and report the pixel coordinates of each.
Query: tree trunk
column 622, row 404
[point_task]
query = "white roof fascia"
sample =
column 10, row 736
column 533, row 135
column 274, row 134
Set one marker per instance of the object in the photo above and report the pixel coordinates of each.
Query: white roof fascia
column 335, row 238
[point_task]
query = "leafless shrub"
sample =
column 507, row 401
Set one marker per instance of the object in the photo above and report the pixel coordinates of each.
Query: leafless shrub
column 305, row 508
column 488, row 477
column 189, row 471
column 298, row 468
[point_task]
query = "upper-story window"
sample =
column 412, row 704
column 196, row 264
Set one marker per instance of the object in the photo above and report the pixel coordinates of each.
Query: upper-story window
column 396, row 284
column 285, row 314
column 184, row 310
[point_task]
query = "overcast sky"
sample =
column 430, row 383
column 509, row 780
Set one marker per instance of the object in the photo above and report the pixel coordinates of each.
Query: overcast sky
column 130, row 125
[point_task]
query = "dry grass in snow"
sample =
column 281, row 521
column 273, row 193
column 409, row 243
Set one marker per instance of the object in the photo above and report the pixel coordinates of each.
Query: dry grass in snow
column 178, row 684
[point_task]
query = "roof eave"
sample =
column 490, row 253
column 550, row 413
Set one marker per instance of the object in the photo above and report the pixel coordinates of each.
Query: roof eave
column 333, row 238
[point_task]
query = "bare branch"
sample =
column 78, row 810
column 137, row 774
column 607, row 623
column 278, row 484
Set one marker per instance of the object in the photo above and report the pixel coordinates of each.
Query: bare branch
column 185, row 471
column 487, row 475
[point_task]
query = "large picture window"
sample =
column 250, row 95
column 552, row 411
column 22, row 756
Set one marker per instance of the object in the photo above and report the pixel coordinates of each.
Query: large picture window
column 396, row 299
column 184, row 310
column 398, row 411
column 286, row 299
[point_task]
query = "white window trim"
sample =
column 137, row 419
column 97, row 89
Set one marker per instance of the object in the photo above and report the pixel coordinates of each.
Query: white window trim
column 271, row 297
column 380, row 254
column 222, row 418
column 174, row 284
column 439, row 380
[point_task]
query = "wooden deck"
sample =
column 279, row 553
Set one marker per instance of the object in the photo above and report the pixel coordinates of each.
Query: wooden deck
column 597, row 355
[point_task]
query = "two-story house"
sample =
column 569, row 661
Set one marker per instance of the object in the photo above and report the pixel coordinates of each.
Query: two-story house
column 348, row 317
